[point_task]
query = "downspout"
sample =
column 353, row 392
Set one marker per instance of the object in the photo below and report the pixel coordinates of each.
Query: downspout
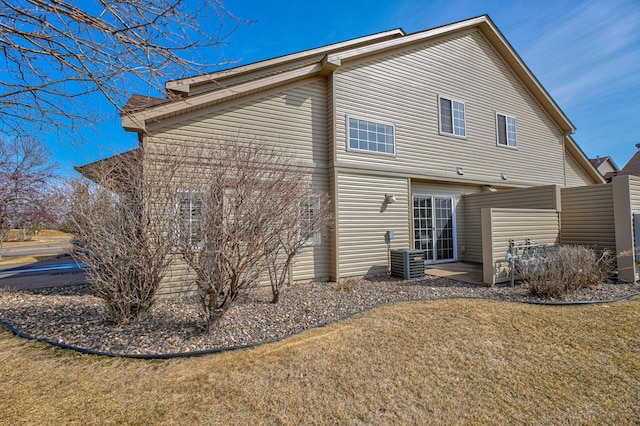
column 564, row 157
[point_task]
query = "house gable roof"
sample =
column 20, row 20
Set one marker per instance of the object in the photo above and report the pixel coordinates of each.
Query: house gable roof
column 599, row 161
column 632, row 167
column 185, row 85
column 329, row 58
column 334, row 56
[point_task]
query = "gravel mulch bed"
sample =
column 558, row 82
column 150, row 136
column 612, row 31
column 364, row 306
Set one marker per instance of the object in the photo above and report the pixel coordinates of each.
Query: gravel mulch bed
column 73, row 316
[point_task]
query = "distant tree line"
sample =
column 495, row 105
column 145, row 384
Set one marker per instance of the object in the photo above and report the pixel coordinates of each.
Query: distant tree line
column 30, row 195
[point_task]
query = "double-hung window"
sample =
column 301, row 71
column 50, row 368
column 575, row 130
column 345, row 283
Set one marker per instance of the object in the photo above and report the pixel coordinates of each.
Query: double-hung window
column 190, row 218
column 309, row 210
column 452, row 118
column 371, row 136
column 506, row 130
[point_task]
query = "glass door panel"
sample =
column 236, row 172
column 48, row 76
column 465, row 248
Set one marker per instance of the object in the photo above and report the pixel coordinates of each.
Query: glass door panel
column 423, row 225
column 433, row 227
column 444, row 228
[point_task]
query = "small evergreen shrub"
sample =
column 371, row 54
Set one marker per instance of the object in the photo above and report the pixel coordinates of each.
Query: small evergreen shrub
column 567, row 269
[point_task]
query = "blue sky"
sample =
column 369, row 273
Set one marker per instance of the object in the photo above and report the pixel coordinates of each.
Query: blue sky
column 585, row 53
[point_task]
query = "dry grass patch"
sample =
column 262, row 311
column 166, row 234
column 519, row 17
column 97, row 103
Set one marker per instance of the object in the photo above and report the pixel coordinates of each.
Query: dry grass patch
column 45, row 235
column 26, row 259
column 443, row 362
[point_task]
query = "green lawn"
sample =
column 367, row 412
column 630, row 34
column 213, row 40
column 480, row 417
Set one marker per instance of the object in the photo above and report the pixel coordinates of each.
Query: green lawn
column 442, row 362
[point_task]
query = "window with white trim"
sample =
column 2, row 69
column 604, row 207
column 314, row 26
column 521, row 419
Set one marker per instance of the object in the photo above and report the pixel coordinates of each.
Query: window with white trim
column 371, row 136
column 506, row 130
column 189, row 205
column 309, row 210
column 452, row 119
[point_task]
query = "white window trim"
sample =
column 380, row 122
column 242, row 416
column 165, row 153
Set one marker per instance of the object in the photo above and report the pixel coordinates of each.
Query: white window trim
column 454, row 224
column 507, row 133
column 371, row 120
column 316, row 238
column 452, row 134
column 191, row 193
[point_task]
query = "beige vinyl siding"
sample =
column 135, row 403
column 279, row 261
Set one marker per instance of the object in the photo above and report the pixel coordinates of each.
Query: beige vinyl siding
column 634, row 193
column 587, row 216
column 456, row 191
column 576, row 176
column 364, row 219
column 313, row 263
column 233, row 80
column 179, row 279
column 294, row 121
column 542, row 197
column 403, row 87
column 538, row 225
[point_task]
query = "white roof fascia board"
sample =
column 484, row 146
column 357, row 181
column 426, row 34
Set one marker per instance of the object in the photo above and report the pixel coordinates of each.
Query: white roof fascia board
column 183, row 85
column 137, row 121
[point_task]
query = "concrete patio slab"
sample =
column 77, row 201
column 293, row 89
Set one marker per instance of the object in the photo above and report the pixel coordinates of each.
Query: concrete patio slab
column 459, row 271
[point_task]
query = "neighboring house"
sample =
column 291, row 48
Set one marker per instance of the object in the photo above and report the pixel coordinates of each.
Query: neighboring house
column 425, row 117
column 605, row 166
column 632, row 168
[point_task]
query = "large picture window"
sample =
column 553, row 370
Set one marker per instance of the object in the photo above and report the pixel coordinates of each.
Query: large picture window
column 371, row 136
column 452, row 119
column 506, row 130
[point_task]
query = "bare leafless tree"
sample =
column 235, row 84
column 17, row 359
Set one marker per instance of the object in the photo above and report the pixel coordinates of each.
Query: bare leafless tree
column 300, row 218
column 25, row 170
column 124, row 225
column 244, row 215
column 58, row 56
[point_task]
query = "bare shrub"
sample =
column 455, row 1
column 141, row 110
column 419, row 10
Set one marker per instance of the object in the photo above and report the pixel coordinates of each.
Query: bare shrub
column 245, row 213
column 567, row 269
column 126, row 249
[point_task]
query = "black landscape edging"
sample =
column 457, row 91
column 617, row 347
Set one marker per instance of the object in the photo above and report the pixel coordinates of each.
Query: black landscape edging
column 580, row 302
column 277, row 339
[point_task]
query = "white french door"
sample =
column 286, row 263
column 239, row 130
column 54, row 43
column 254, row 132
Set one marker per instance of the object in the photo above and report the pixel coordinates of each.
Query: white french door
column 434, row 227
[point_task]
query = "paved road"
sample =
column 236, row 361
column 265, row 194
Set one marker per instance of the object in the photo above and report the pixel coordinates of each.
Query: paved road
column 48, row 273
column 61, row 266
column 36, row 249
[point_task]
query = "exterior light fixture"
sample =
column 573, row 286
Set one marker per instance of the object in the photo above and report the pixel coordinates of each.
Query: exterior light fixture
column 504, row 176
column 460, row 171
column 389, row 198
